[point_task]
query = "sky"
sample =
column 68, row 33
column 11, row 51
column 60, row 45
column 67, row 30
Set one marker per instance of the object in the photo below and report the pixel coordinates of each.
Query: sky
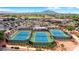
column 39, row 9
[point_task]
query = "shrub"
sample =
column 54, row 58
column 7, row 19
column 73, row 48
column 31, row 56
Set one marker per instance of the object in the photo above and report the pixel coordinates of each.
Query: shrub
column 38, row 49
column 16, row 47
column 12, row 47
column 62, row 45
column 3, row 46
column 2, row 35
column 70, row 28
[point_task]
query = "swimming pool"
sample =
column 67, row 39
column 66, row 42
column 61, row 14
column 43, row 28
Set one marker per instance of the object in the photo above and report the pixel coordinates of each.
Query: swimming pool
column 57, row 33
column 20, row 35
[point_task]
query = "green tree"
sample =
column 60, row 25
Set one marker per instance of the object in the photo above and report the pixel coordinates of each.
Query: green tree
column 75, row 18
column 1, row 35
column 70, row 28
column 14, row 16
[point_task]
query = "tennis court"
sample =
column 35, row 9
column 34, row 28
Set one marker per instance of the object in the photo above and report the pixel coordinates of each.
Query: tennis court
column 57, row 33
column 21, row 35
column 41, row 37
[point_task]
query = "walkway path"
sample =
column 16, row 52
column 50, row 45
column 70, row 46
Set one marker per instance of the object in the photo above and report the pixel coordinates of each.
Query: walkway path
column 75, row 37
column 23, row 48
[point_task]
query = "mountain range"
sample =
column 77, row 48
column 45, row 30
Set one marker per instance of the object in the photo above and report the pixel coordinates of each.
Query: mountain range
column 43, row 12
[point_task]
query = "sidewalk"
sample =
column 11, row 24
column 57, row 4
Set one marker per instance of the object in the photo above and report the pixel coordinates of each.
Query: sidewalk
column 75, row 37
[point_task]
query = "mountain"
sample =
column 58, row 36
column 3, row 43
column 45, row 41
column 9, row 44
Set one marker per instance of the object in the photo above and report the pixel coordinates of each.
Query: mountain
column 43, row 12
column 48, row 12
column 3, row 12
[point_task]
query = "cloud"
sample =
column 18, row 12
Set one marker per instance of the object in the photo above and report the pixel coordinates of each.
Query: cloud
column 77, row 7
column 5, row 9
column 11, row 10
column 54, row 8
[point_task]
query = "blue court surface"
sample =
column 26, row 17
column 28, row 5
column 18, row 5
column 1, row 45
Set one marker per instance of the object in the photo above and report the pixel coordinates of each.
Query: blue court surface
column 58, row 33
column 41, row 37
column 21, row 35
